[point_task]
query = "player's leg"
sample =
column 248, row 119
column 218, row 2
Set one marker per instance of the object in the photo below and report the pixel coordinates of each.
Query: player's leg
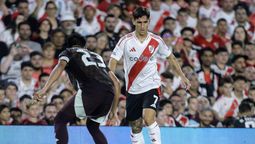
column 149, row 115
column 96, row 133
column 134, row 116
column 65, row 115
column 136, row 131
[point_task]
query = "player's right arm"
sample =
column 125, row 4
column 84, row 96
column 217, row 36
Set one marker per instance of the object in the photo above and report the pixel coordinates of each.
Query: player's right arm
column 64, row 58
column 55, row 74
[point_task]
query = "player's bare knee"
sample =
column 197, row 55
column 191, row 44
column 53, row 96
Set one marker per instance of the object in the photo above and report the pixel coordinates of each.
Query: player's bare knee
column 149, row 120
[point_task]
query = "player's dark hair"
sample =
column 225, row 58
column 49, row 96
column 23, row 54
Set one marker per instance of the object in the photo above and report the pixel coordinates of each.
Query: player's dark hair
column 249, row 100
column 245, row 107
column 75, row 40
column 140, row 12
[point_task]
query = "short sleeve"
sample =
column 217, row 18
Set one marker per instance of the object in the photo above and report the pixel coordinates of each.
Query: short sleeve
column 164, row 50
column 119, row 49
column 65, row 55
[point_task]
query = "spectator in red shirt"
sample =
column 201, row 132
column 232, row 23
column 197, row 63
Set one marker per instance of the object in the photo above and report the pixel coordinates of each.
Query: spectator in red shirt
column 222, row 29
column 206, row 38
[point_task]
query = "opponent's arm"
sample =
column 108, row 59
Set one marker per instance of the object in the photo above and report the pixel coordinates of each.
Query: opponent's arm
column 116, row 83
column 55, row 74
column 176, row 67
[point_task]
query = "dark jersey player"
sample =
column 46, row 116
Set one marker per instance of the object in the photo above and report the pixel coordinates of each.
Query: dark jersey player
column 246, row 115
column 97, row 90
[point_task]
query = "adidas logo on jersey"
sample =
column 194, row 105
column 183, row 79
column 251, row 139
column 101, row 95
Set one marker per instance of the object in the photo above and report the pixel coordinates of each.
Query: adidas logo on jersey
column 132, row 50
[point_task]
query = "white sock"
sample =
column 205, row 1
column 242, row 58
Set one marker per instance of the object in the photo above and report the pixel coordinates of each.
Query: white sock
column 137, row 138
column 154, row 133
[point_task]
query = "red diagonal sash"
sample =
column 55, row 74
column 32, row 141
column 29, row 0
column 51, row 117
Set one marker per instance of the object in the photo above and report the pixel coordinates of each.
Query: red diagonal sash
column 232, row 108
column 142, row 61
column 160, row 21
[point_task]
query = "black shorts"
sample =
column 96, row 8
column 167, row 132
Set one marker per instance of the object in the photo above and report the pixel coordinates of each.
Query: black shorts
column 137, row 102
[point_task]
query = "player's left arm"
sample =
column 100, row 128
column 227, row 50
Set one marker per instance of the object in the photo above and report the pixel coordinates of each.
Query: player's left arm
column 176, row 67
column 55, row 74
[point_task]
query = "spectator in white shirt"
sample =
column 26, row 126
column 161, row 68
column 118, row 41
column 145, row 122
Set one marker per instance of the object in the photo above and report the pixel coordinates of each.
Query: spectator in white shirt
column 193, row 13
column 89, row 24
column 26, row 83
column 227, row 104
column 227, row 12
column 208, row 9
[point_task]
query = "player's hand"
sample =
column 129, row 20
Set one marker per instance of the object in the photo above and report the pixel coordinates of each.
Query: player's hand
column 186, row 83
column 112, row 119
column 39, row 95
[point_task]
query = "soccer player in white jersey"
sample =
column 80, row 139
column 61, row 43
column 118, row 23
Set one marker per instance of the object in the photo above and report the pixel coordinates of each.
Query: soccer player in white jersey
column 139, row 50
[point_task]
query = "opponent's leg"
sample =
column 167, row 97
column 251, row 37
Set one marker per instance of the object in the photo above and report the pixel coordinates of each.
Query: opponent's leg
column 153, row 128
column 96, row 133
column 65, row 115
column 136, row 132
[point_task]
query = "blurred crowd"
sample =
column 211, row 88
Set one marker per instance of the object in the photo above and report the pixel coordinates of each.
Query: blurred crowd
column 213, row 41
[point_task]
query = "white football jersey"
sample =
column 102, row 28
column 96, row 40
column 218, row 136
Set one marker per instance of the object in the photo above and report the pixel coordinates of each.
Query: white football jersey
column 140, row 61
column 226, row 106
